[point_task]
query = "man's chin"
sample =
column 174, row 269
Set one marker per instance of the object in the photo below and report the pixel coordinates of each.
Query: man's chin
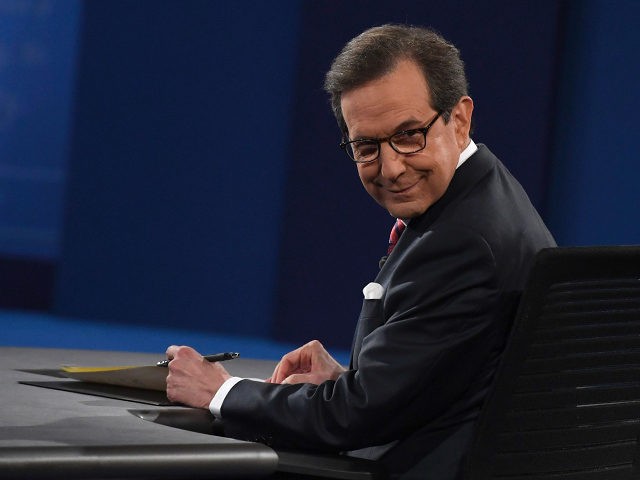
column 405, row 211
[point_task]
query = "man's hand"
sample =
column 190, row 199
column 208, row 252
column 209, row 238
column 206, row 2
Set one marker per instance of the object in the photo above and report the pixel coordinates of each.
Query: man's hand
column 192, row 380
column 310, row 363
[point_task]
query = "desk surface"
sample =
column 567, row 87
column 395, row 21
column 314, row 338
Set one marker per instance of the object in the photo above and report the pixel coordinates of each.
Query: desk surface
column 45, row 432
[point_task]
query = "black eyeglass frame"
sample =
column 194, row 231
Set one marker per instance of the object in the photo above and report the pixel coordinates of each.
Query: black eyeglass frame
column 346, row 145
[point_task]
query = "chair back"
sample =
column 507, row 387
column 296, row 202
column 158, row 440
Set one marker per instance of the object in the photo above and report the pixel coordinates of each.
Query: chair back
column 565, row 404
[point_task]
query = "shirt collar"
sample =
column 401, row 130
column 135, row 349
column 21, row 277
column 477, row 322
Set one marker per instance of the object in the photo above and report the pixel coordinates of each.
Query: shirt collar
column 467, row 152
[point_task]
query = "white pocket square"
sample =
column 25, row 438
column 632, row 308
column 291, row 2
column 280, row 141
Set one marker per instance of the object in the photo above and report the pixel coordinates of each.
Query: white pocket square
column 373, row 291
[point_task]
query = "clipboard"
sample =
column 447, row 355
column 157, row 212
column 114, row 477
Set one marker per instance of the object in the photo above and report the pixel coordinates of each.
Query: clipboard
column 142, row 384
column 138, row 395
column 146, row 377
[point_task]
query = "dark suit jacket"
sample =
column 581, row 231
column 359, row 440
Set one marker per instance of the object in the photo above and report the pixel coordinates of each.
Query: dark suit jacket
column 425, row 354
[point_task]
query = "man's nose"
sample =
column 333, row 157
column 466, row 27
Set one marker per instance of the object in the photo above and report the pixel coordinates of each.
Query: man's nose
column 391, row 162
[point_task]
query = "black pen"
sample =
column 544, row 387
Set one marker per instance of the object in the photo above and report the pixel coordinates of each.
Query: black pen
column 216, row 357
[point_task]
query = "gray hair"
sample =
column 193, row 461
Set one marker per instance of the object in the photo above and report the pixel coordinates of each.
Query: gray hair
column 376, row 52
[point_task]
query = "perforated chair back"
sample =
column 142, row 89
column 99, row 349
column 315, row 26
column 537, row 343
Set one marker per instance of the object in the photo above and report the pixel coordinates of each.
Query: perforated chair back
column 566, row 400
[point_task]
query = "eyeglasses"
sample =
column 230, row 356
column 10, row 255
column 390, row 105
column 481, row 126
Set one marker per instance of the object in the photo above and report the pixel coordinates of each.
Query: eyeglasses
column 367, row 150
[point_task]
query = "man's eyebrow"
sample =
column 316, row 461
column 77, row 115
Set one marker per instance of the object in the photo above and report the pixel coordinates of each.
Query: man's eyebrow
column 408, row 124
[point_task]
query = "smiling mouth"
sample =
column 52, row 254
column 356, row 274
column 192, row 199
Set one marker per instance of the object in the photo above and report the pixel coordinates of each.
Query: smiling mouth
column 397, row 191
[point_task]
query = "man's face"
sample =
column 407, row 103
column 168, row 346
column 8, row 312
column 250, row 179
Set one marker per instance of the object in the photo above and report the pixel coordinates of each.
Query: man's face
column 405, row 184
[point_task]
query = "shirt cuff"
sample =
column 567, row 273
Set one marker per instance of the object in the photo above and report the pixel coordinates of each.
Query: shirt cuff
column 216, row 402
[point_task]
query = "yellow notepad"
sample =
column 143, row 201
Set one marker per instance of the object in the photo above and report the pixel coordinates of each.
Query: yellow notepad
column 148, row 377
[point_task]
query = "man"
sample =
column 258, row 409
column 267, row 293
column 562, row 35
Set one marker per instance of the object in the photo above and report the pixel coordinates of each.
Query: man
column 435, row 322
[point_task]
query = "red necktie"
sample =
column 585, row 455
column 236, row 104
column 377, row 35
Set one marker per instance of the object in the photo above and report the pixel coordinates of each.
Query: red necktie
column 396, row 231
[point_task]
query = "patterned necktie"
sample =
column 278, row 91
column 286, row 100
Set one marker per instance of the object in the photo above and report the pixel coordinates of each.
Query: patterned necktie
column 396, row 231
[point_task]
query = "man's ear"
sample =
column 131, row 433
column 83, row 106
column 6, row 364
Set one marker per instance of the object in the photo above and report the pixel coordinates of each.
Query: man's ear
column 461, row 116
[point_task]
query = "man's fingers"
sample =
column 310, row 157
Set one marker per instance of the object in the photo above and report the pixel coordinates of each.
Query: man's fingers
column 304, row 378
column 300, row 361
column 274, row 375
column 297, row 378
column 171, row 350
column 287, row 365
column 174, row 351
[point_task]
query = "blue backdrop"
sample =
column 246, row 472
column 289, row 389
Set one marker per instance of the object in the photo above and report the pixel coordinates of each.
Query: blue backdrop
column 37, row 64
column 204, row 186
column 178, row 153
column 594, row 196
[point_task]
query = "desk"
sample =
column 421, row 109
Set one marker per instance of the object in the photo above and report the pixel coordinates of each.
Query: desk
column 56, row 434
column 47, row 433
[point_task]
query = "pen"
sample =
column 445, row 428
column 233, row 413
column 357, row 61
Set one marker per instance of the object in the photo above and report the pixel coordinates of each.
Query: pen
column 216, row 357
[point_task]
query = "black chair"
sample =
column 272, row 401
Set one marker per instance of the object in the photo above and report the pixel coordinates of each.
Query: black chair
column 566, row 400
